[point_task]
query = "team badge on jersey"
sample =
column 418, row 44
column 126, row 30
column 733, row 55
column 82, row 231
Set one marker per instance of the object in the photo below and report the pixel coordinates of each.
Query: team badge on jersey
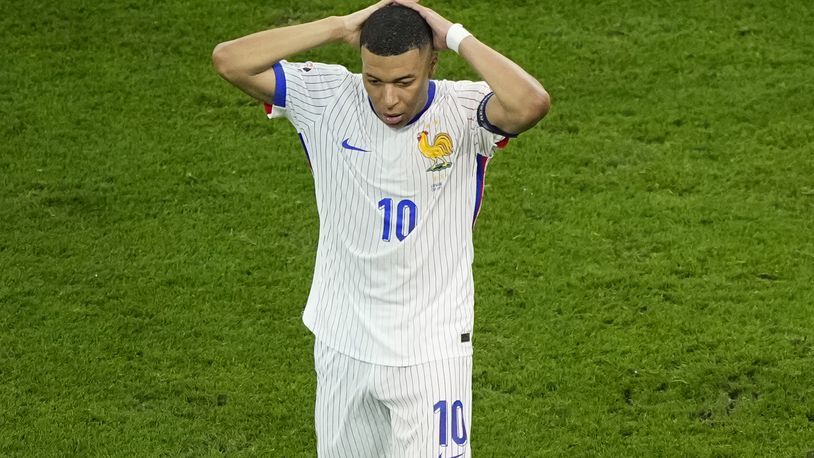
column 438, row 151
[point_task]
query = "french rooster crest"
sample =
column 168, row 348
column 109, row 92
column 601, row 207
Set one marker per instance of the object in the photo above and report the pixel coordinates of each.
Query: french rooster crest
column 438, row 150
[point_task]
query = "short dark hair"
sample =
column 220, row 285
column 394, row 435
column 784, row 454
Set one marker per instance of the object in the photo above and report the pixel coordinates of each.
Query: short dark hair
column 394, row 30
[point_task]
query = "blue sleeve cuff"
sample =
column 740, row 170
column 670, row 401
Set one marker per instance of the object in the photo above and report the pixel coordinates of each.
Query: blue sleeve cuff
column 279, row 85
column 483, row 121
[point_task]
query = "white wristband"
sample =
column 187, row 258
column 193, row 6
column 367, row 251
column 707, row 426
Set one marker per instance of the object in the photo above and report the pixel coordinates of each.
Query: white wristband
column 455, row 35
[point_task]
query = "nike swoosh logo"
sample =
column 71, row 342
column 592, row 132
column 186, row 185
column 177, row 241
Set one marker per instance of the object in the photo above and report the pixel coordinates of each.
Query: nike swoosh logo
column 347, row 145
column 456, row 456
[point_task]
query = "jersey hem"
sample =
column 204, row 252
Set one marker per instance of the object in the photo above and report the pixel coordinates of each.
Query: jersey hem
column 401, row 362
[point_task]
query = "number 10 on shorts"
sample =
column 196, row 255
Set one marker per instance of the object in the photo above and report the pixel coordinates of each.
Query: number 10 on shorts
column 451, row 422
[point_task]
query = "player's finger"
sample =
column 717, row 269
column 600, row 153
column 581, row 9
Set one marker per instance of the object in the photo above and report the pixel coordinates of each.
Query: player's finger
column 422, row 10
column 376, row 6
column 409, row 4
column 379, row 4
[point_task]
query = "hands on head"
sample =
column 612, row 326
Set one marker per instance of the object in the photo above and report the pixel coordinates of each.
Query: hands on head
column 439, row 25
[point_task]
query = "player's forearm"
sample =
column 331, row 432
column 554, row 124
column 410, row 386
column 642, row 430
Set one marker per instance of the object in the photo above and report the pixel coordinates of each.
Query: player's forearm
column 256, row 53
column 522, row 101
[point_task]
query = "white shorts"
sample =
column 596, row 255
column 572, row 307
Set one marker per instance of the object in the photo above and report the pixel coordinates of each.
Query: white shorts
column 368, row 410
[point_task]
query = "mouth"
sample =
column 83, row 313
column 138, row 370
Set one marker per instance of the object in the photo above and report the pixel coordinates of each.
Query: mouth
column 392, row 120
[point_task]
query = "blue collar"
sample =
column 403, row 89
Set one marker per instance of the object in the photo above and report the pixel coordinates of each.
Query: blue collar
column 430, row 98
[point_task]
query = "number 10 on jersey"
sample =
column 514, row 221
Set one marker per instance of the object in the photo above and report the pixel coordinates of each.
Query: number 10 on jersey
column 406, row 215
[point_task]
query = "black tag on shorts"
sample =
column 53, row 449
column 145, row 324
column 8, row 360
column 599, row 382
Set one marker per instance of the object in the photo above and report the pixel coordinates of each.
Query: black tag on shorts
column 465, row 337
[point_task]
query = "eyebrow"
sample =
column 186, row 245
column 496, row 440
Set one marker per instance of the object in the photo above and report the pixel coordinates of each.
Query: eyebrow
column 407, row 77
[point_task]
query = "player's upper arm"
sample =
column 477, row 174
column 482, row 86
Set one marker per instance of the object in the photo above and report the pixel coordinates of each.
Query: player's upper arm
column 261, row 85
column 472, row 98
column 535, row 106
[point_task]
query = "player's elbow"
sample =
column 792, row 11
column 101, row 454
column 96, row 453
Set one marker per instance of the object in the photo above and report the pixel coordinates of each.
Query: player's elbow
column 535, row 107
column 224, row 62
column 538, row 104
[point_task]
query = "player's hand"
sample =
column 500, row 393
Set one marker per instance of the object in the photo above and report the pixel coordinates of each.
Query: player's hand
column 353, row 22
column 440, row 26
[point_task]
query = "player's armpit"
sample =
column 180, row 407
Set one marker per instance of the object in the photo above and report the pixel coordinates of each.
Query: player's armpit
column 261, row 86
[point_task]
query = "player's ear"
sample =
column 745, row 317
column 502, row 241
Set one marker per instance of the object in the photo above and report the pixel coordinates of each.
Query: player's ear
column 433, row 62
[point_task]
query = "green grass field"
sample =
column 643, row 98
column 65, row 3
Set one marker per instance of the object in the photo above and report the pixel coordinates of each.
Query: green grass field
column 644, row 258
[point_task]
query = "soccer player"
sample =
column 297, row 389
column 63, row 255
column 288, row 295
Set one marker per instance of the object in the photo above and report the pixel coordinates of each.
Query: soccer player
column 398, row 161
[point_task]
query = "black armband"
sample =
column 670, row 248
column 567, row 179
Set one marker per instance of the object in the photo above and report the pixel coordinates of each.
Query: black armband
column 483, row 121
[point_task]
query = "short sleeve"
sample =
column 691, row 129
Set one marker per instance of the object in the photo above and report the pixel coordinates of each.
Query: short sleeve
column 471, row 97
column 303, row 90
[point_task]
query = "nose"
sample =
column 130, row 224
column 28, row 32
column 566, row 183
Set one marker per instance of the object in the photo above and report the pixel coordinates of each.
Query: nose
column 390, row 97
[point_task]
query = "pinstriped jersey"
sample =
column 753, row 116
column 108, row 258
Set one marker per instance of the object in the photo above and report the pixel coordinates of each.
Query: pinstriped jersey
column 392, row 280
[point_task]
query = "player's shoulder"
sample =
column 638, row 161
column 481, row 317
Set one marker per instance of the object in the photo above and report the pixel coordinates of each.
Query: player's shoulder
column 321, row 69
column 462, row 87
column 463, row 93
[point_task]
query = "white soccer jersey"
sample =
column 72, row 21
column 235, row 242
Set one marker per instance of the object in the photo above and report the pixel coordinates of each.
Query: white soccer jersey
column 393, row 276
